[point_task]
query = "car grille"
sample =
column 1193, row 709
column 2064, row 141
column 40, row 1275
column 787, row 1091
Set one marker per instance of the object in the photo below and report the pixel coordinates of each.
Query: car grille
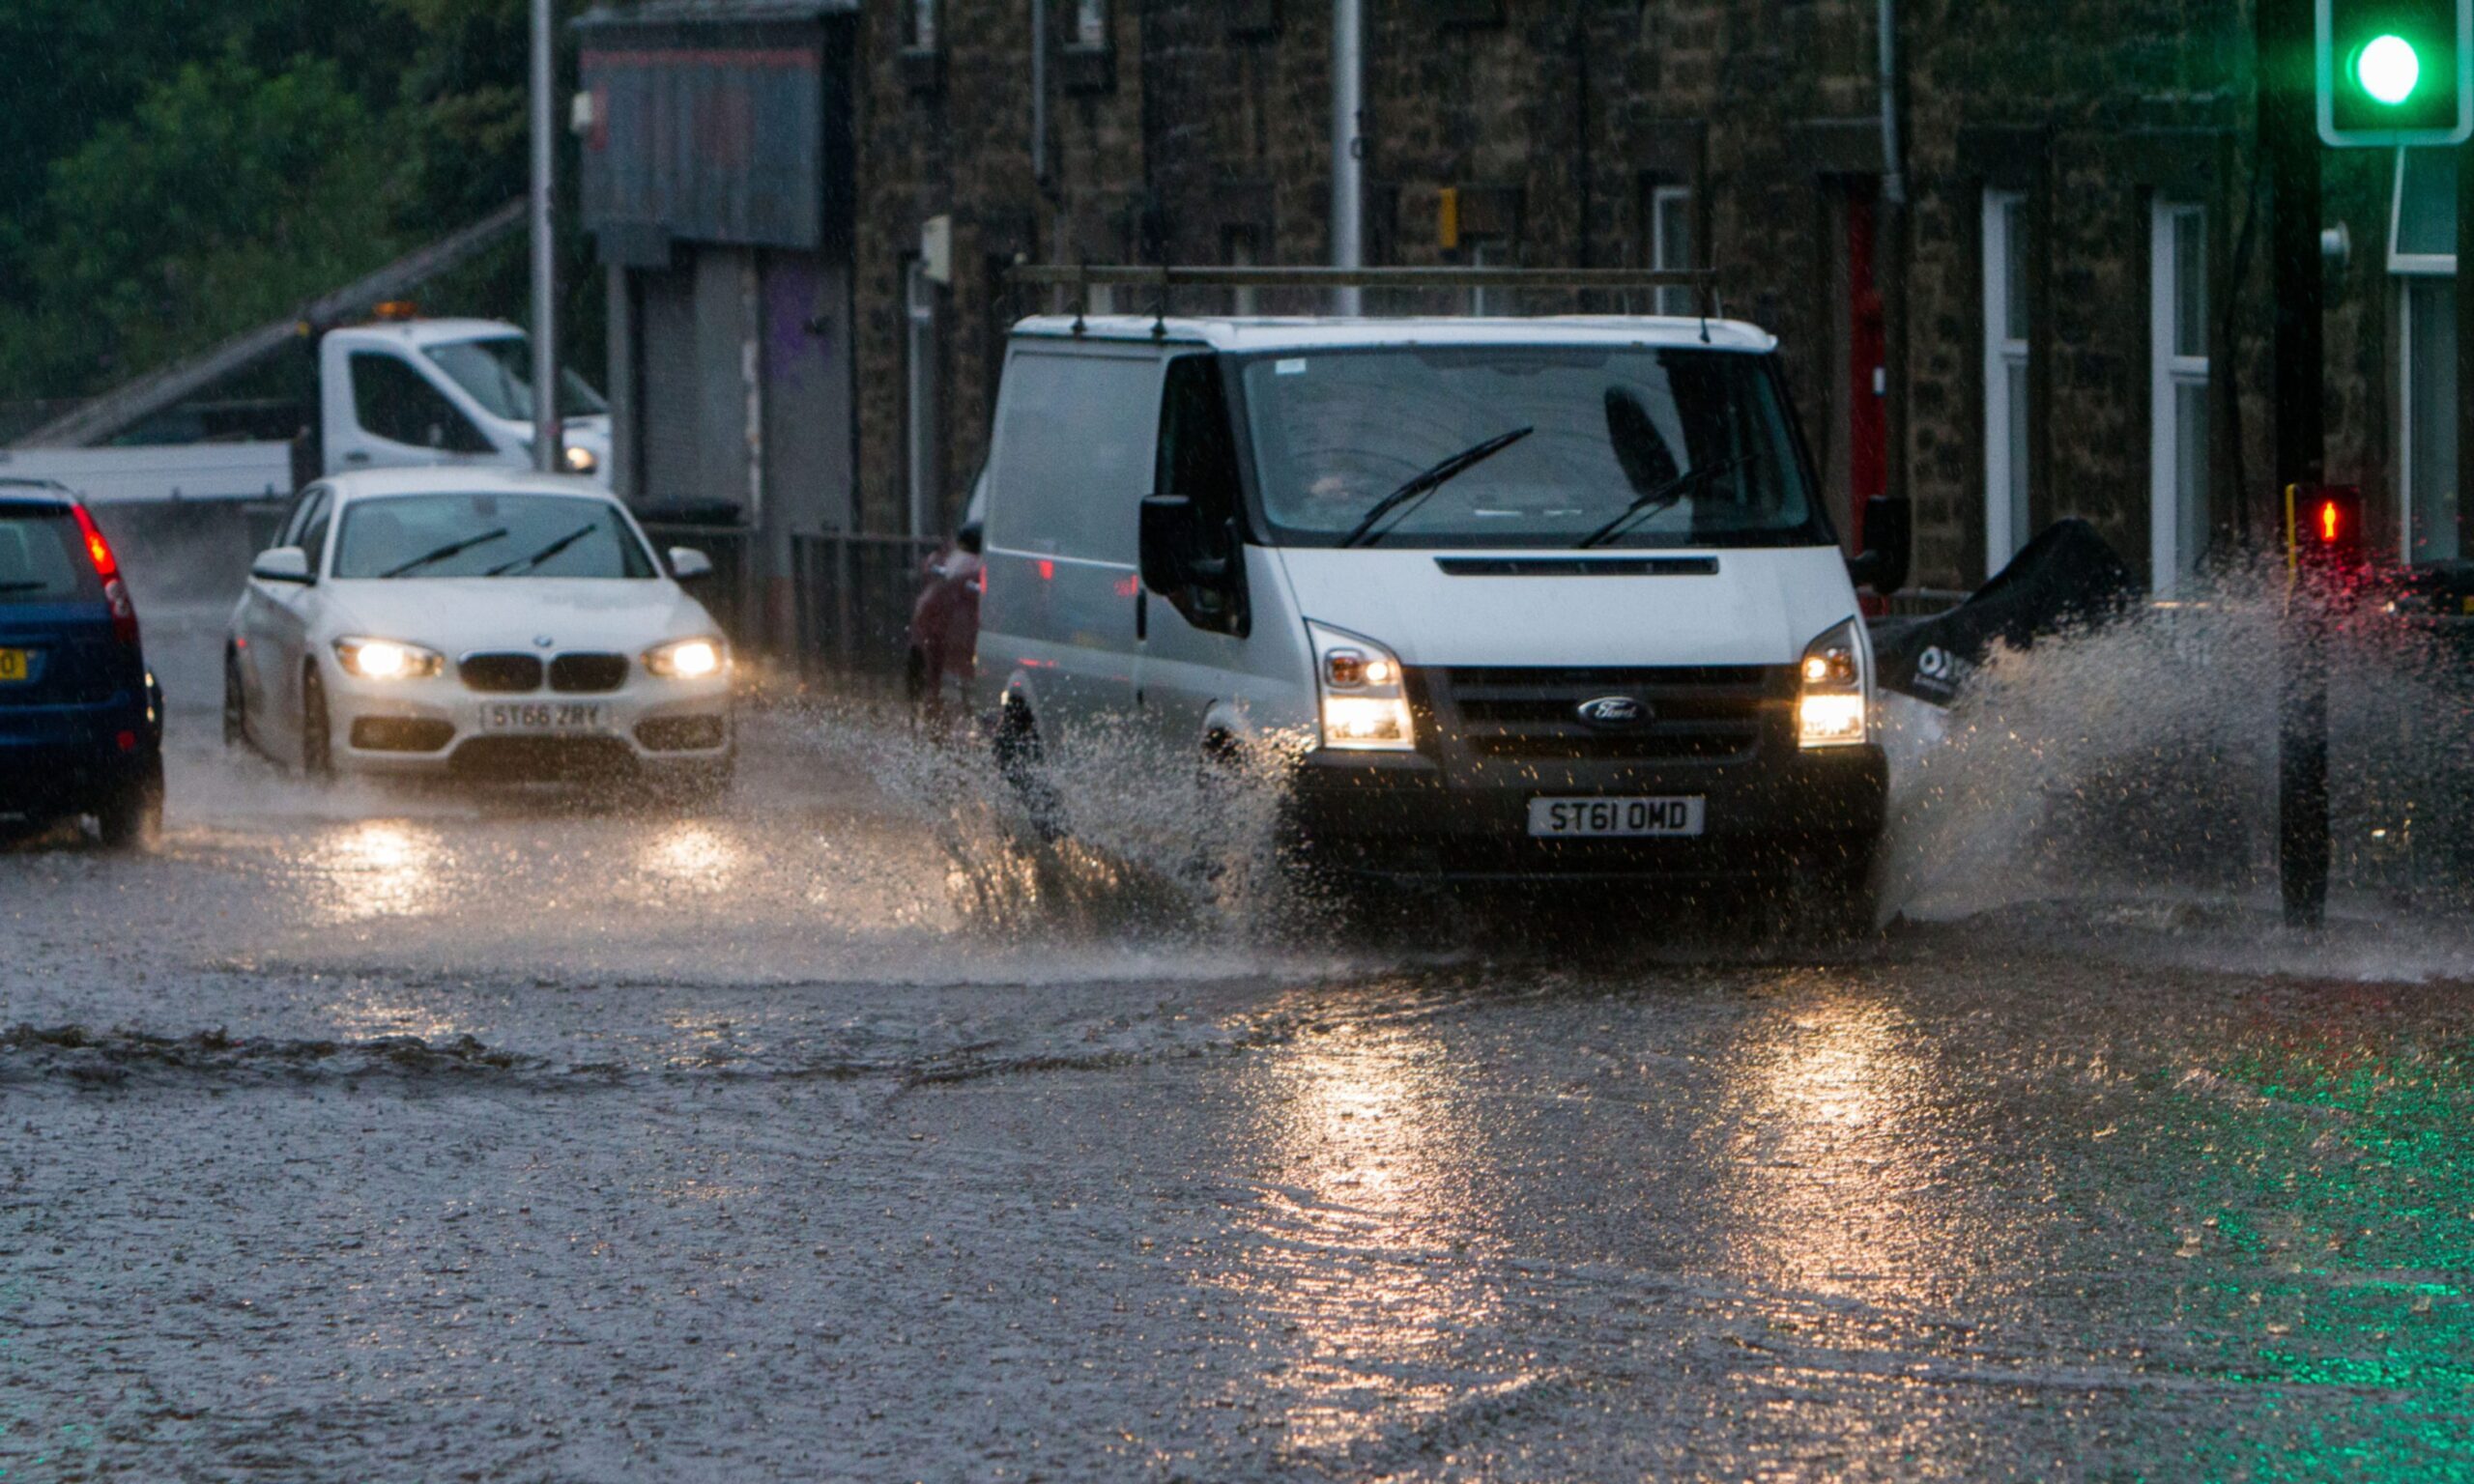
column 1705, row 713
column 588, row 674
column 502, row 675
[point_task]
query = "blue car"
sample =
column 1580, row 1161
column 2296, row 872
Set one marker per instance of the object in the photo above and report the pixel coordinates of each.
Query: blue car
column 81, row 720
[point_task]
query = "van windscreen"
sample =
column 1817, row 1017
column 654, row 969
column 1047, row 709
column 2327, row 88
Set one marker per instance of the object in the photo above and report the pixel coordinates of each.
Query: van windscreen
column 1628, row 447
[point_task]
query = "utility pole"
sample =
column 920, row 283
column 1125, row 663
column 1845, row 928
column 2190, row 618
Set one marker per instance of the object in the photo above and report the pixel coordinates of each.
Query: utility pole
column 2289, row 151
column 549, row 437
column 1348, row 148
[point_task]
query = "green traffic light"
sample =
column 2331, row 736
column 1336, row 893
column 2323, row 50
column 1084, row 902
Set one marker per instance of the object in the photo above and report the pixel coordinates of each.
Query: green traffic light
column 2389, row 69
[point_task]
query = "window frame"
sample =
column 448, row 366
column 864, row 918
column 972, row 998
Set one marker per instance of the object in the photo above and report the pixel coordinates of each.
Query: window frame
column 922, row 400
column 1670, row 299
column 1092, row 25
column 2007, row 488
column 2414, row 273
column 2170, row 372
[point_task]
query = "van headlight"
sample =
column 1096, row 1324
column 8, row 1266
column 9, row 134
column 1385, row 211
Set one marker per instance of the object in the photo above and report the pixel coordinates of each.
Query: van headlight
column 581, row 459
column 686, row 659
column 1831, row 709
column 387, row 659
column 1362, row 694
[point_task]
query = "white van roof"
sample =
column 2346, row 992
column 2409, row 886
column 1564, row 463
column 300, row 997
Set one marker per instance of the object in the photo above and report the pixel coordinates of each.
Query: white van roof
column 1269, row 333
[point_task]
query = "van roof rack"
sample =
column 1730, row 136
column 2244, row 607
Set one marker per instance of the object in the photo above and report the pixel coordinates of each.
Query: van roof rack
column 1083, row 277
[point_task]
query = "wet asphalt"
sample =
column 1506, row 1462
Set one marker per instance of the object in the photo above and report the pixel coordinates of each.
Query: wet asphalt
column 831, row 1133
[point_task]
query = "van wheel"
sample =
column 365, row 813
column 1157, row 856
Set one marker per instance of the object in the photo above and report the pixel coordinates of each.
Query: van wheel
column 236, row 704
column 317, row 734
column 130, row 817
column 1023, row 764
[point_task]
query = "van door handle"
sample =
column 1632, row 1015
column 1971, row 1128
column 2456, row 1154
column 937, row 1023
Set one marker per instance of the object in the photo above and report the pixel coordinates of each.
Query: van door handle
column 355, row 457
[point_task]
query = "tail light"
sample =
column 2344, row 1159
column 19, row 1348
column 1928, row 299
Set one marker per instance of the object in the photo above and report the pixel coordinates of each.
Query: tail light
column 107, row 567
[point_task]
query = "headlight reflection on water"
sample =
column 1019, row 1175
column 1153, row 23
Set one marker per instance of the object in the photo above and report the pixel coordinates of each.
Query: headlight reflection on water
column 1370, row 1157
column 691, row 857
column 1833, row 1181
column 381, row 869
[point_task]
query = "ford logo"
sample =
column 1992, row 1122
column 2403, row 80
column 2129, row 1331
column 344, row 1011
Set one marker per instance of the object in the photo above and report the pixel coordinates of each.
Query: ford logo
column 1615, row 712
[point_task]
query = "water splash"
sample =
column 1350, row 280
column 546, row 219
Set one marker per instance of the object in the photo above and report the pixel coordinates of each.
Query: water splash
column 2136, row 763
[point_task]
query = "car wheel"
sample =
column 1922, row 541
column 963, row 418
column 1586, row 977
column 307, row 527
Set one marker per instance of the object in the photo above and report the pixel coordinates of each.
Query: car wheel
column 317, row 734
column 1023, row 762
column 131, row 815
column 236, row 704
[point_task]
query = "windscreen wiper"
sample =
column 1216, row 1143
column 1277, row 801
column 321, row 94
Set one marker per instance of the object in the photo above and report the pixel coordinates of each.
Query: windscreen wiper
column 1659, row 499
column 22, row 586
column 450, row 549
column 1429, row 481
column 547, row 552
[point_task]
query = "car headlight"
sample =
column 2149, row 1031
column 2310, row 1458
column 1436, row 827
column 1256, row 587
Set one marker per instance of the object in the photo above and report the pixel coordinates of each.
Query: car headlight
column 1364, row 695
column 1833, row 710
column 387, row 659
column 581, row 461
column 686, row 659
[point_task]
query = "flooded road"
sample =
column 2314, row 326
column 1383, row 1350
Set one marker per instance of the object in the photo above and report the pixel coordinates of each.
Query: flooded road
column 369, row 1133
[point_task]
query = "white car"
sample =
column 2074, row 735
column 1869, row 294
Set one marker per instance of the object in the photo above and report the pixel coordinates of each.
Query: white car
column 480, row 625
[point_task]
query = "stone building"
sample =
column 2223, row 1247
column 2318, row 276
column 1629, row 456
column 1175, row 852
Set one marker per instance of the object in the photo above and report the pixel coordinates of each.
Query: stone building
column 2052, row 299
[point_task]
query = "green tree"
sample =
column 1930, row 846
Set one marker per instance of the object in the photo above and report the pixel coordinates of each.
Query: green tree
column 228, row 196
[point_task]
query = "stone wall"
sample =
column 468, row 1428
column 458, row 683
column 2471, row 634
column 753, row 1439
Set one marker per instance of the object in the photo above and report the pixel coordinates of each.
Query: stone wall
column 1203, row 125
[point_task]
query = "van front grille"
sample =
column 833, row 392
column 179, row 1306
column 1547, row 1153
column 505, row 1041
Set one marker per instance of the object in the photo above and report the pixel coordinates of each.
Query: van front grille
column 1703, row 713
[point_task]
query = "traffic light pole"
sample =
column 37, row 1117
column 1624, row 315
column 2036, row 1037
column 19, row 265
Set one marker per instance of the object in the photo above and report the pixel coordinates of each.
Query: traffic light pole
column 2290, row 150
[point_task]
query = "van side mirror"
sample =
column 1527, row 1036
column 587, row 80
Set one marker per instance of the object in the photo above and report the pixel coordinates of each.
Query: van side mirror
column 1195, row 568
column 1890, row 529
column 972, row 537
column 281, row 565
column 686, row 564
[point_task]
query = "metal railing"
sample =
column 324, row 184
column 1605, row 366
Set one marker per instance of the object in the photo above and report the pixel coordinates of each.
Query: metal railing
column 854, row 596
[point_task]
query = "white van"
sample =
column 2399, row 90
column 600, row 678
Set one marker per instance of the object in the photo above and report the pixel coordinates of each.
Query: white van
column 423, row 393
column 1525, row 597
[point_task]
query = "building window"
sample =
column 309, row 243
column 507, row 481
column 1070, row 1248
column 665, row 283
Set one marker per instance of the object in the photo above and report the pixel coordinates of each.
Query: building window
column 2422, row 254
column 2006, row 409
column 1237, row 247
column 1671, row 245
column 1487, row 252
column 1091, row 22
column 924, row 440
column 923, row 25
column 2429, row 411
column 2178, row 394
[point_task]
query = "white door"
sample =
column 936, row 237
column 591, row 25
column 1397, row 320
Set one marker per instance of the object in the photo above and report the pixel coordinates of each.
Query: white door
column 275, row 622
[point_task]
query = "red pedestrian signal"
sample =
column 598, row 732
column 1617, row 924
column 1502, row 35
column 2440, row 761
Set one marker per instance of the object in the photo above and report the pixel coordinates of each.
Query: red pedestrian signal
column 2323, row 527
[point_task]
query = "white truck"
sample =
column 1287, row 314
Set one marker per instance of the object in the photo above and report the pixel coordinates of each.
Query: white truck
column 392, row 394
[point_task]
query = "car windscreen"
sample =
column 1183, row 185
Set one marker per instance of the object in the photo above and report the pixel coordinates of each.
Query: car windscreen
column 1626, row 446
column 43, row 558
column 414, row 536
column 499, row 374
